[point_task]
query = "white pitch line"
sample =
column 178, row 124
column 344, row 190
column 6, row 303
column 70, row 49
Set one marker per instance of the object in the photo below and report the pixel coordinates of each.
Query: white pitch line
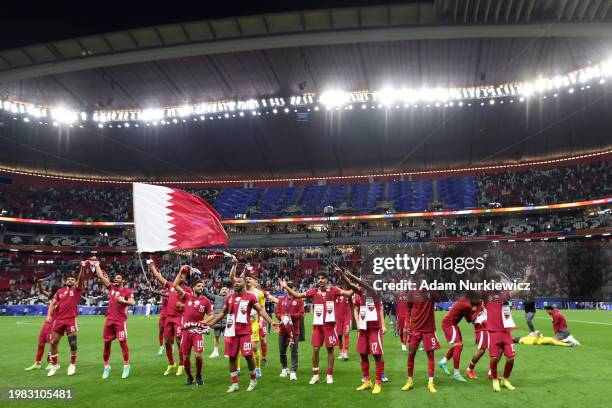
column 579, row 321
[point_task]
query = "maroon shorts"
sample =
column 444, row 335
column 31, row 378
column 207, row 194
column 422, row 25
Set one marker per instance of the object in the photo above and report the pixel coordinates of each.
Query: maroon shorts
column 172, row 327
column 189, row 340
column 452, row 333
column 369, row 341
column 44, row 336
column 238, row 344
column 482, row 339
column 501, row 341
column 430, row 340
column 263, row 329
column 114, row 330
column 324, row 334
column 343, row 326
column 162, row 321
column 67, row 326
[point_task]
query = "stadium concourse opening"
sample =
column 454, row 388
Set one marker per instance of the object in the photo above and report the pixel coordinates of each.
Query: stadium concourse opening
column 342, row 202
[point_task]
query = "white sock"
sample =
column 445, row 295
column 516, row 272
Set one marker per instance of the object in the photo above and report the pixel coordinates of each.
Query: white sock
column 444, row 360
column 457, row 371
column 431, row 380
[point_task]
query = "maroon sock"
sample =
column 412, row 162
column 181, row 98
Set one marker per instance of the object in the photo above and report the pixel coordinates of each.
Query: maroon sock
column 125, row 351
column 471, row 365
column 170, row 353
column 264, row 350
column 106, row 353
column 161, row 339
column 365, row 367
column 199, row 366
column 380, row 369
column 73, row 357
column 347, row 339
column 493, row 368
column 181, row 358
column 410, row 365
column 457, row 356
column 431, row 364
column 508, row 368
column 39, row 352
column 449, row 353
column 187, row 365
column 330, row 371
column 253, row 375
column 48, row 357
column 54, row 359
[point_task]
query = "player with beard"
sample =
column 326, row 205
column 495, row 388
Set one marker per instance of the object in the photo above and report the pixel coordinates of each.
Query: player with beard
column 196, row 307
column 421, row 321
column 324, row 321
column 174, row 311
column 115, row 324
column 44, row 336
column 62, row 315
column 499, row 325
column 371, row 325
column 238, row 306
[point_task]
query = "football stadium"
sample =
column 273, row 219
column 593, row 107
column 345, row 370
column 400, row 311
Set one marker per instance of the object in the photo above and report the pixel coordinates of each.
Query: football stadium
column 332, row 203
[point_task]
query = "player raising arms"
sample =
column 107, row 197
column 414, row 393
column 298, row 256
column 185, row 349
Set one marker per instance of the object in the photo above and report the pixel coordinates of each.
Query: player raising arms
column 115, row 324
column 324, row 321
column 44, row 336
column 371, row 325
column 238, row 306
column 172, row 327
column 62, row 314
column 462, row 308
column 499, row 325
column 421, row 321
column 196, row 307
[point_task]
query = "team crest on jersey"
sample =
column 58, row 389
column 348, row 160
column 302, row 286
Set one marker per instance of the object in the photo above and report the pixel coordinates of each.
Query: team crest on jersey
column 197, row 303
column 294, row 303
column 189, row 303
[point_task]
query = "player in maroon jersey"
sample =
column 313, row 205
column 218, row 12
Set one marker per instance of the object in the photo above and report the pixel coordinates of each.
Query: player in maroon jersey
column 324, row 321
column 344, row 317
column 196, row 307
column 481, row 338
column 462, row 308
column 44, row 336
column 174, row 310
column 401, row 307
column 371, row 325
column 115, row 324
column 238, row 306
column 499, row 325
column 62, row 315
column 421, row 321
column 289, row 312
column 162, row 316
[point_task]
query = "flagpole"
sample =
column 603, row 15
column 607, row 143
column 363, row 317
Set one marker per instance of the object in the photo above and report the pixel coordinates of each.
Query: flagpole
column 143, row 270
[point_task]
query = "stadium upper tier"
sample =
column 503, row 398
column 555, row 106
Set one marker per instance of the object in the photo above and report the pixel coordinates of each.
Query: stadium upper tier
column 531, row 187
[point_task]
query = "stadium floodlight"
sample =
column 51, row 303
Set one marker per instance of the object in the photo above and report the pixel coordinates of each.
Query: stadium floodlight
column 63, row 116
column 386, row 96
column 334, row 98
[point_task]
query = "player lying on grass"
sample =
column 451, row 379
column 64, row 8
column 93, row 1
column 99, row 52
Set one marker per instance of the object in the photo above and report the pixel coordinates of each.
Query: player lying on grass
column 323, row 323
column 371, row 325
column 560, row 329
column 196, row 307
column 537, row 339
column 62, row 315
column 44, row 336
column 237, row 309
column 115, row 323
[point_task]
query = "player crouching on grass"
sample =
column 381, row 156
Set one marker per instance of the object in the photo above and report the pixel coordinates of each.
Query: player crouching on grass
column 196, row 307
column 560, row 326
column 371, row 325
column 323, row 323
column 62, row 314
column 238, row 306
column 115, row 323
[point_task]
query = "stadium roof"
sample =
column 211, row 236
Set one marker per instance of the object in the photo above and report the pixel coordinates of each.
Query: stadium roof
column 446, row 43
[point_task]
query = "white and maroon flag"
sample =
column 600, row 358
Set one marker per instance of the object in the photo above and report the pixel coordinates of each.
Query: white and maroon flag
column 168, row 219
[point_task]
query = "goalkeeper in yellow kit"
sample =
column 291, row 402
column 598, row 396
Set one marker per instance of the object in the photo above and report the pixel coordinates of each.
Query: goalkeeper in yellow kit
column 539, row 340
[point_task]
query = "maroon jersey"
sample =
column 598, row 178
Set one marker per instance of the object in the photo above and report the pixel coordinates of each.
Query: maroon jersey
column 67, row 302
column 559, row 322
column 494, row 302
column 240, row 305
column 195, row 307
column 371, row 303
column 421, row 311
column 343, row 308
column 116, row 311
column 460, row 309
column 321, row 297
column 171, row 310
column 479, row 323
column 164, row 303
column 401, row 304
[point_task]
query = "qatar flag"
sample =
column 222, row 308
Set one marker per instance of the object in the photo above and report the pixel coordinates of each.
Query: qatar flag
column 168, row 219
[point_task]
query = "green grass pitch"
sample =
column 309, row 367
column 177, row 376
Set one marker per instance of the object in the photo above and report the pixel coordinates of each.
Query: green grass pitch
column 545, row 376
